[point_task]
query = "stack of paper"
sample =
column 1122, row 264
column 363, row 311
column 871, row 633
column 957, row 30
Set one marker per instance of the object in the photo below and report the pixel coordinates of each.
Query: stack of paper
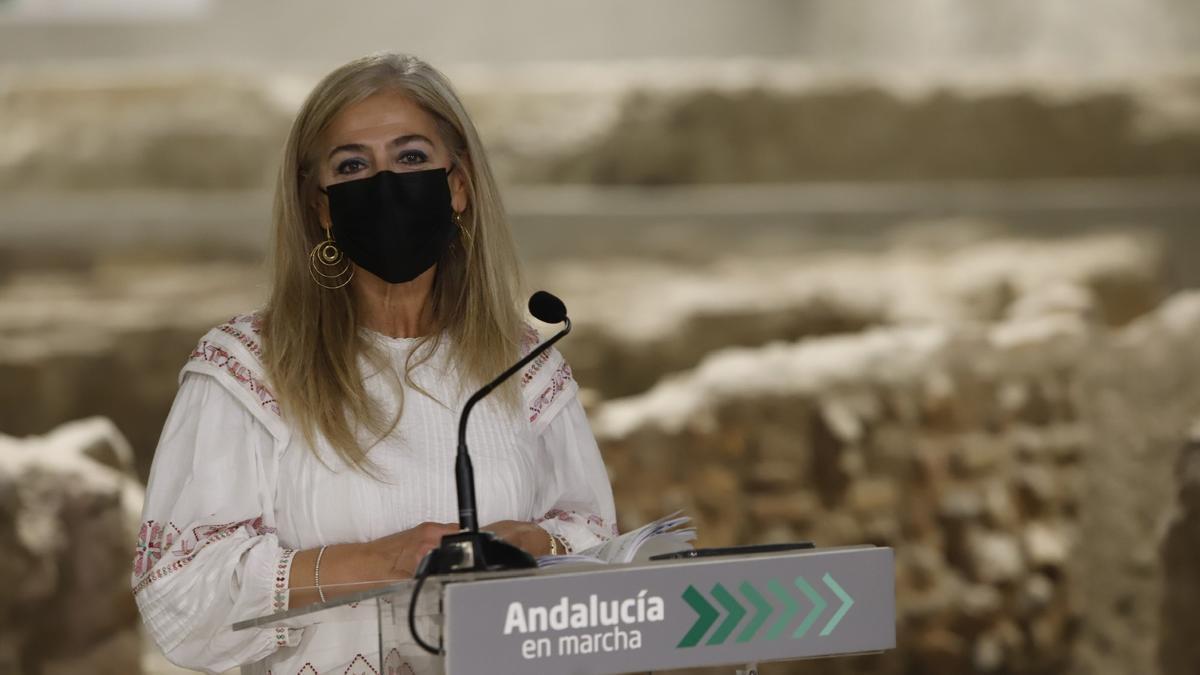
column 665, row 535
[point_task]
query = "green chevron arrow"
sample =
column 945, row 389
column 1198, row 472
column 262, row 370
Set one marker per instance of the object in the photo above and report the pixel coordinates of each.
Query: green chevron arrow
column 762, row 607
column 706, row 615
column 819, row 606
column 790, row 608
column 847, row 601
column 736, row 612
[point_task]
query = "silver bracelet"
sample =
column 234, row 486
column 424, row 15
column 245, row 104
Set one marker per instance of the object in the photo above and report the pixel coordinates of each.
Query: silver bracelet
column 317, row 574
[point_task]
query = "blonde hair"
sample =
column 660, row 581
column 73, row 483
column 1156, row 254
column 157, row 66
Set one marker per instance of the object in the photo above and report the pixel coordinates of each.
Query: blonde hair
column 310, row 334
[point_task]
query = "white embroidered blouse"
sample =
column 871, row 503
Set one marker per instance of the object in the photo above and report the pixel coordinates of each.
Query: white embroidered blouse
column 233, row 493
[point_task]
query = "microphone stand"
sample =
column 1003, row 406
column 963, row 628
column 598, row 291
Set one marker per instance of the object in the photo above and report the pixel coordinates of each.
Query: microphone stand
column 470, row 550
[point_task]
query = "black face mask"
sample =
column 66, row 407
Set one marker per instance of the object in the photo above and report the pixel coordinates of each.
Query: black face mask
column 394, row 225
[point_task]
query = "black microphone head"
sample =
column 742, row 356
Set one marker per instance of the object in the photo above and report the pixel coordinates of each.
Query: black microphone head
column 547, row 308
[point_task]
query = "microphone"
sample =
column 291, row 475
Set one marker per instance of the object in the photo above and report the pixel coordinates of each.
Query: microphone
column 547, row 308
column 470, row 550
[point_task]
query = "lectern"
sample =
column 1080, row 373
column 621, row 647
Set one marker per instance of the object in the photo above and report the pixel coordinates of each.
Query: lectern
column 639, row 617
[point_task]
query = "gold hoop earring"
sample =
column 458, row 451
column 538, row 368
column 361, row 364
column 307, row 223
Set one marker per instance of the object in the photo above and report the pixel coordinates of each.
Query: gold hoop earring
column 327, row 257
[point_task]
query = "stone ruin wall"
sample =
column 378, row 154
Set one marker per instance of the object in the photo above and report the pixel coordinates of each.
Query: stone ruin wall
column 110, row 340
column 70, row 502
column 1016, row 456
column 203, row 130
column 639, row 320
column 1179, row 651
column 1015, row 470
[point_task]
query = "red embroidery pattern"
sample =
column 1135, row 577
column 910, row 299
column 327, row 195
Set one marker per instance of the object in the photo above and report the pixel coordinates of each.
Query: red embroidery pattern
column 593, row 521
column 247, row 341
column 252, row 318
column 358, row 659
column 152, row 540
column 360, row 666
column 534, row 366
column 280, row 603
column 529, row 339
column 220, row 358
column 187, row 548
column 558, row 383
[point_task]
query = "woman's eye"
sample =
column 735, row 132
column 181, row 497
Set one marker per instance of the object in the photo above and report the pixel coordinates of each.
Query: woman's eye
column 413, row 157
column 349, row 166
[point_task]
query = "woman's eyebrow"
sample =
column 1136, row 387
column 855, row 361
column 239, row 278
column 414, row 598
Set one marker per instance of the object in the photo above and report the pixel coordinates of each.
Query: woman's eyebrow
column 399, row 140
column 407, row 138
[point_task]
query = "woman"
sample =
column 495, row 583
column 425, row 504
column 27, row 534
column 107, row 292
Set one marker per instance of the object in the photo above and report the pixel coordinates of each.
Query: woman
column 321, row 429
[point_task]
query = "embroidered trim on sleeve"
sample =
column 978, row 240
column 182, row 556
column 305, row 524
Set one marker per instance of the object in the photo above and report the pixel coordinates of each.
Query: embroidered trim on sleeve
column 213, row 354
column 279, row 602
column 532, row 369
column 153, row 538
column 529, row 340
column 246, row 341
column 558, row 383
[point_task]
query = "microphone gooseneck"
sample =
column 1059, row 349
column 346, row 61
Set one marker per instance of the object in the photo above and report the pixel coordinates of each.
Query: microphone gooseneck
column 544, row 306
column 470, row 550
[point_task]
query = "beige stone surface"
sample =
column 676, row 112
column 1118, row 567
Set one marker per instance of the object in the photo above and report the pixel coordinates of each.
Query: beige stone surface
column 1179, row 651
column 68, row 524
column 639, row 320
column 1010, row 465
column 110, row 340
column 725, row 121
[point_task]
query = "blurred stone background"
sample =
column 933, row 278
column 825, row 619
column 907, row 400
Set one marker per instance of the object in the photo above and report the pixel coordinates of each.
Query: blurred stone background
column 919, row 274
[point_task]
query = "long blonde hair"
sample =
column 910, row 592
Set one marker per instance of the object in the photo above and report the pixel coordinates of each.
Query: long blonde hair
column 310, row 334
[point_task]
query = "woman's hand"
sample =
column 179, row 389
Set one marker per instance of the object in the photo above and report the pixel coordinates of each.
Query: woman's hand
column 526, row 536
column 397, row 555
